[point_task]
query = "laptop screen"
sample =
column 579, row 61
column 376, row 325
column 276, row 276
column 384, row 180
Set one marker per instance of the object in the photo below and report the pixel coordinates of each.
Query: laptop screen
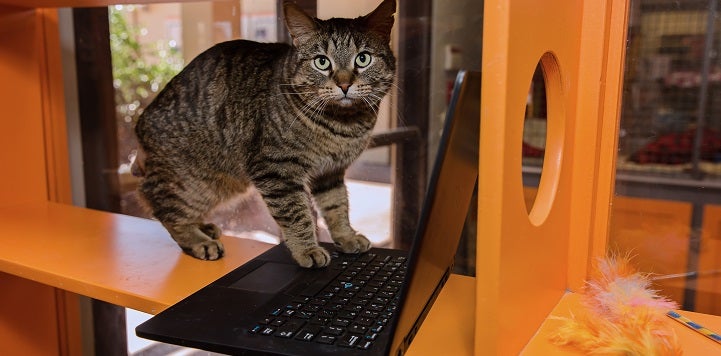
column 448, row 198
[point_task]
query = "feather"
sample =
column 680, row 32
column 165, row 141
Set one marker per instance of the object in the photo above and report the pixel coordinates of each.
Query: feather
column 621, row 314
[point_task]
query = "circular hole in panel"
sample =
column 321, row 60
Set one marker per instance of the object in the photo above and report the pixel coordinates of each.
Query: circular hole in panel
column 534, row 136
column 543, row 136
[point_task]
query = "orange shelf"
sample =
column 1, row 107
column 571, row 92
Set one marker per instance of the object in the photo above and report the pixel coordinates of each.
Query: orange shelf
column 691, row 342
column 119, row 259
column 133, row 262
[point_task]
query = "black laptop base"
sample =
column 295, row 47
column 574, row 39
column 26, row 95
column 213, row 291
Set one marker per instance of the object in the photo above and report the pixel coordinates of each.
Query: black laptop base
column 346, row 308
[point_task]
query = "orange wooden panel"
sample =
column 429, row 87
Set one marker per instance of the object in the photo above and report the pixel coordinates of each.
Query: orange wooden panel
column 529, row 195
column 448, row 328
column 656, row 233
column 708, row 283
column 31, row 322
column 21, row 330
column 119, row 259
column 53, row 105
column 526, row 261
column 22, row 151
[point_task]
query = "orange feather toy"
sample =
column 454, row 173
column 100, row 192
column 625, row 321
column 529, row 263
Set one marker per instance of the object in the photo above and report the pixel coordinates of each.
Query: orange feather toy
column 622, row 315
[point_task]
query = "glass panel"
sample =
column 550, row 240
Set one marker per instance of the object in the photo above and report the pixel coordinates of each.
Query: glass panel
column 432, row 41
column 668, row 186
column 151, row 43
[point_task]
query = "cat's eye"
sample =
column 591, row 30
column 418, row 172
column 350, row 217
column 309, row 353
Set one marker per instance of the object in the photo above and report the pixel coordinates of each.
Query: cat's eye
column 321, row 63
column 363, row 59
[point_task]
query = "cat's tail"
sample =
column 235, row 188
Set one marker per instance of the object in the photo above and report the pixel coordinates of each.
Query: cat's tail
column 137, row 167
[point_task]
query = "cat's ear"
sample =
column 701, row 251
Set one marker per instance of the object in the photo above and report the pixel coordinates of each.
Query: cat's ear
column 299, row 24
column 381, row 19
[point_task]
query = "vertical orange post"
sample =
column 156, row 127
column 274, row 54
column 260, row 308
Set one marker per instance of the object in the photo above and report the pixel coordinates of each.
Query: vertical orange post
column 527, row 261
column 36, row 319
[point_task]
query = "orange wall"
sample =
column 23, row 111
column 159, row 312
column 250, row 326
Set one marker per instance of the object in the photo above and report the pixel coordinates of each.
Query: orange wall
column 22, row 148
column 34, row 319
column 527, row 261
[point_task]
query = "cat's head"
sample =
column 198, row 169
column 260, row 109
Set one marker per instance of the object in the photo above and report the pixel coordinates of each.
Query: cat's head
column 342, row 62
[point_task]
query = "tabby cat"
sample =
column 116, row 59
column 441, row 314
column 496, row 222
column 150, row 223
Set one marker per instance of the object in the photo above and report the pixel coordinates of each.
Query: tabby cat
column 285, row 119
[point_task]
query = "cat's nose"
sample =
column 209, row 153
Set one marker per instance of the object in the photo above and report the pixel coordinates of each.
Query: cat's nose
column 344, row 79
column 344, row 87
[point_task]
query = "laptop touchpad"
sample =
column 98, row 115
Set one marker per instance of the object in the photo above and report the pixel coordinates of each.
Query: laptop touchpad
column 271, row 277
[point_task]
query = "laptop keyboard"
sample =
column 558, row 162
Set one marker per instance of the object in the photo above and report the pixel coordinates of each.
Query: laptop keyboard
column 349, row 311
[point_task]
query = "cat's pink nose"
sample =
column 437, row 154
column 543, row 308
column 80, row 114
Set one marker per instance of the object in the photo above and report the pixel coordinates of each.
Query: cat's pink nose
column 344, row 87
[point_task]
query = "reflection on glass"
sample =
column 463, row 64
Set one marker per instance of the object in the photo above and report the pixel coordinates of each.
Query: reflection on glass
column 667, row 208
column 151, row 43
column 534, row 136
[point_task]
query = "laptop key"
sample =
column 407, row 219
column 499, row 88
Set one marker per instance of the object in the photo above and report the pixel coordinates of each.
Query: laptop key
column 267, row 330
column 341, row 322
column 316, row 320
column 349, row 340
column 376, row 307
column 325, row 339
column 308, row 334
column 277, row 322
column 301, row 300
column 285, row 334
column 289, row 329
column 334, row 330
column 311, row 308
column 304, row 314
column 371, row 336
column 347, row 314
column 365, row 344
column 358, row 329
column 367, row 257
column 288, row 312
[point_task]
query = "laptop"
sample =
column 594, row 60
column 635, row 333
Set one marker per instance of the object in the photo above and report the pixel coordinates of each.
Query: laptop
column 367, row 304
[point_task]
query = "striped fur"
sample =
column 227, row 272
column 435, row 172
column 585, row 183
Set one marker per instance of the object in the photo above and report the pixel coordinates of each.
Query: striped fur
column 246, row 114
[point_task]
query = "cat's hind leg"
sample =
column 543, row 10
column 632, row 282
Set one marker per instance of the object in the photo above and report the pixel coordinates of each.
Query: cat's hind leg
column 331, row 196
column 181, row 205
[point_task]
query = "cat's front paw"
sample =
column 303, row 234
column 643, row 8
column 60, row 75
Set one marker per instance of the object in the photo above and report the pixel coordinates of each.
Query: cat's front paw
column 311, row 257
column 207, row 250
column 212, row 230
column 356, row 243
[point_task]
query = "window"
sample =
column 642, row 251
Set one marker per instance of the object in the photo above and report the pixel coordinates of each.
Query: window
column 150, row 43
column 668, row 182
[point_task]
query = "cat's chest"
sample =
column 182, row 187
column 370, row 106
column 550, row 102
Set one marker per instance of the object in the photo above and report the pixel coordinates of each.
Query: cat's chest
column 334, row 153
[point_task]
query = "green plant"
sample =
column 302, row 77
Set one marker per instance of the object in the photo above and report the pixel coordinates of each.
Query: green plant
column 140, row 70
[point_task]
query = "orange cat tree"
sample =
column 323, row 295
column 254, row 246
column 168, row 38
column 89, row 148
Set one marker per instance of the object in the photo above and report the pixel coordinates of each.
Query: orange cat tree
column 527, row 263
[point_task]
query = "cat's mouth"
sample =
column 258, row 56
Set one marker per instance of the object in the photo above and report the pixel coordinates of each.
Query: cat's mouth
column 345, row 101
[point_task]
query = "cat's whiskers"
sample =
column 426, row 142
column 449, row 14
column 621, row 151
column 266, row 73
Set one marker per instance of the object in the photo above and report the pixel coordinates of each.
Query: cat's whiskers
column 296, row 93
column 314, row 108
column 305, row 109
column 320, row 108
column 370, row 105
column 392, row 84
